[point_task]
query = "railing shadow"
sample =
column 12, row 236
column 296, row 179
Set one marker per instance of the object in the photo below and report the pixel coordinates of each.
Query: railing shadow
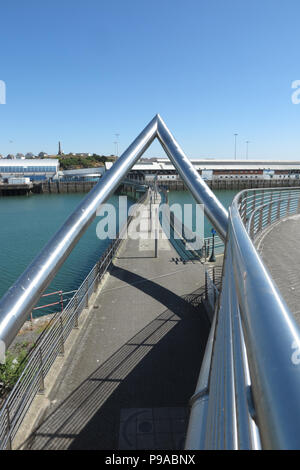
column 157, row 369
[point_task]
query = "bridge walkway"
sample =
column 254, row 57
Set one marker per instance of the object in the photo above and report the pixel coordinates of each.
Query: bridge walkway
column 279, row 247
column 127, row 382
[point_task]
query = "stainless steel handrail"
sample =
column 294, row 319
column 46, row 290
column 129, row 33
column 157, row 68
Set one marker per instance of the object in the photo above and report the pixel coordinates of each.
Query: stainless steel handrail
column 252, row 198
column 17, row 303
column 252, row 396
column 277, row 209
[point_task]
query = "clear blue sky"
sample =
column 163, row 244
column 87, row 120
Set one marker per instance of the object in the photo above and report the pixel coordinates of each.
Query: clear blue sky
column 80, row 71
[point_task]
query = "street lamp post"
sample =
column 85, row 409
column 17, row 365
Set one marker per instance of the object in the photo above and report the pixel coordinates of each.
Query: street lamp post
column 235, row 136
column 247, row 148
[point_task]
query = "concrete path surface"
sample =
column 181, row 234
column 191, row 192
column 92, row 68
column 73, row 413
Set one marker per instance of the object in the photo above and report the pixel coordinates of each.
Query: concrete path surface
column 279, row 247
column 130, row 375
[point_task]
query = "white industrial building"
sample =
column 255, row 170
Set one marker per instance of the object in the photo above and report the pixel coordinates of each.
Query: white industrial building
column 163, row 169
column 83, row 174
column 35, row 169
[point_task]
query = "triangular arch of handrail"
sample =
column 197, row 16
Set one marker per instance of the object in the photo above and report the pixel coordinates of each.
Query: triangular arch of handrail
column 156, row 128
column 18, row 302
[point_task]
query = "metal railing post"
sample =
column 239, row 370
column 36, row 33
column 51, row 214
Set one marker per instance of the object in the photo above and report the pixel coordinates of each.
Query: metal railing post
column 288, row 204
column 278, row 209
column 245, row 207
column 252, row 228
column 254, row 201
column 86, row 293
column 97, row 277
column 62, row 341
column 269, row 212
column 214, row 285
column 42, row 378
column 260, row 219
column 76, row 311
column 61, row 300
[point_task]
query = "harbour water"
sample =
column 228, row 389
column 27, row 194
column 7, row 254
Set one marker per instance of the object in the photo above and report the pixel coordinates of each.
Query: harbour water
column 185, row 197
column 27, row 223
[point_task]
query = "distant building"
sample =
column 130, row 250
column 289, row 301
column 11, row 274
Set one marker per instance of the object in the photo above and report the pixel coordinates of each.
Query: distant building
column 10, row 156
column 83, row 174
column 35, row 169
column 20, row 156
column 43, row 155
column 209, row 169
column 29, row 155
column 59, row 149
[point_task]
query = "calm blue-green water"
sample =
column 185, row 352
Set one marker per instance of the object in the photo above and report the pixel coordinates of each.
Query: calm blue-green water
column 27, row 223
column 184, row 197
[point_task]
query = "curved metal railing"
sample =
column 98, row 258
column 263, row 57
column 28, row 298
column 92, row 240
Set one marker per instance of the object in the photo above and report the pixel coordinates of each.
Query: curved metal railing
column 247, row 395
column 263, row 209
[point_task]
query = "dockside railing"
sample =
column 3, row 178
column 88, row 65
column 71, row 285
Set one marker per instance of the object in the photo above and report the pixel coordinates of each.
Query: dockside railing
column 247, row 396
column 182, row 232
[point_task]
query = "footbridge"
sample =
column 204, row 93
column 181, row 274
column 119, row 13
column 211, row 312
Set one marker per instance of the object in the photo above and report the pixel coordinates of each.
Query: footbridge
column 155, row 351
